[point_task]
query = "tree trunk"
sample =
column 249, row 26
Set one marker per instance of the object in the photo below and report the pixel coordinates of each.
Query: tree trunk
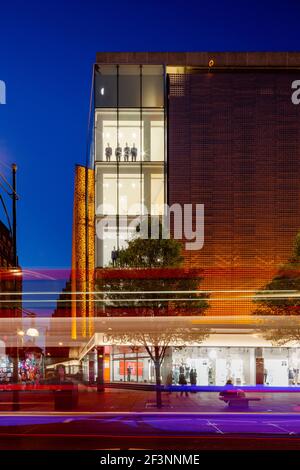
column 157, row 376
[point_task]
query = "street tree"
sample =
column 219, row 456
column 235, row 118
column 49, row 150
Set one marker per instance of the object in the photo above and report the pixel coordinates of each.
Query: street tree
column 281, row 295
column 151, row 281
column 156, row 339
column 280, row 331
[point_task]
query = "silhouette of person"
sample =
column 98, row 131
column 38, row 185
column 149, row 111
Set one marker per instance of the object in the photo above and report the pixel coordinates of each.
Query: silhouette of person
column 114, row 256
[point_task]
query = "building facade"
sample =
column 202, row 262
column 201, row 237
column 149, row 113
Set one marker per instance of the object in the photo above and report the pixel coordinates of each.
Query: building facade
column 217, row 129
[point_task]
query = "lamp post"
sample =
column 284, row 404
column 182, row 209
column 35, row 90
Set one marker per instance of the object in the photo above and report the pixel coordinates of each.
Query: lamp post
column 14, row 221
column 16, row 404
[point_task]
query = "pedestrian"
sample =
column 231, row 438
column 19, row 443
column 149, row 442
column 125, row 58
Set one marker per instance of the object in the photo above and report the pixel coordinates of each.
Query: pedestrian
column 169, row 381
column 60, row 375
column 114, row 256
column 129, row 368
column 193, row 378
column 183, row 381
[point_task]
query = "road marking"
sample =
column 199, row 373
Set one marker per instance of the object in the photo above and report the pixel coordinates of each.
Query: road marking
column 215, row 426
column 281, row 428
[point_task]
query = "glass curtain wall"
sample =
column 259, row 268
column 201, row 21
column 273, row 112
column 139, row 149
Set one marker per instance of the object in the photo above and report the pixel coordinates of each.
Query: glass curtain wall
column 129, row 151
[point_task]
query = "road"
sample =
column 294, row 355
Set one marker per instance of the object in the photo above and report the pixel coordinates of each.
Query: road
column 149, row 431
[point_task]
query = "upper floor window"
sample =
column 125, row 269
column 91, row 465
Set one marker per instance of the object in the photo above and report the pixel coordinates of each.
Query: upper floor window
column 129, row 86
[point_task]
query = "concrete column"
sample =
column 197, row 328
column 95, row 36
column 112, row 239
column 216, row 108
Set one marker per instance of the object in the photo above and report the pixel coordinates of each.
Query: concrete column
column 259, row 366
column 252, row 365
column 100, row 362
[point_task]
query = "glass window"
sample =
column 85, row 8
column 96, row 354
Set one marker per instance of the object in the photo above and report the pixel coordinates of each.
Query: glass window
column 110, row 194
column 153, row 124
column 157, row 194
column 131, row 135
column 109, row 241
column 157, row 140
column 119, row 192
column 129, row 86
column 126, row 137
column 119, row 136
column 153, row 86
column 105, row 90
column 106, row 135
column 108, row 78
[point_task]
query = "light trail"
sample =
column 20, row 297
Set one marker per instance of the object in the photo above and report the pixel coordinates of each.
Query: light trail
column 149, row 292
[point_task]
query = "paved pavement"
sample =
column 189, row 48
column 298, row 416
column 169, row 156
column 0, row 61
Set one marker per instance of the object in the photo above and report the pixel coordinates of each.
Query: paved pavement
column 136, row 400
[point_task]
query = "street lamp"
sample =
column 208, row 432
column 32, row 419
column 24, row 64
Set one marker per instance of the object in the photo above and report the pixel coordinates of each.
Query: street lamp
column 33, row 332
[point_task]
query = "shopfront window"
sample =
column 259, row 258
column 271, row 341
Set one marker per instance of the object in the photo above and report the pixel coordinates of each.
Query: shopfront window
column 131, row 365
column 214, row 366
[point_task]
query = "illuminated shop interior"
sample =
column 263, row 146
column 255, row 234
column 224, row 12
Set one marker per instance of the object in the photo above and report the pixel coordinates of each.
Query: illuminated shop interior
column 129, row 150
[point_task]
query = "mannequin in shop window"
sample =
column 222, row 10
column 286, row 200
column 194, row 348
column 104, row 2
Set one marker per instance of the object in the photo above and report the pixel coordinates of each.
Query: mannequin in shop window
column 193, row 377
column 176, row 375
column 118, row 153
column 291, row 377
column 126, row 153
column 133, row 152
column 265, row 376
column 108, row 153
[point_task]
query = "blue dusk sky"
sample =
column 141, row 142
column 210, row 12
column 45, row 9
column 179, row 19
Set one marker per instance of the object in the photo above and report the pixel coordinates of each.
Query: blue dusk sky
column 47, row 49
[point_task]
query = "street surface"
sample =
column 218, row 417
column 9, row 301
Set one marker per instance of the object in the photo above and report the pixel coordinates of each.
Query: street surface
column 149, row 431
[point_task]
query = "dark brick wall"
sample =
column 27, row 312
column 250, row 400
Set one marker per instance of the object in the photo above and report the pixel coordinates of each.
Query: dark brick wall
column 201, row 59
column 234, row 145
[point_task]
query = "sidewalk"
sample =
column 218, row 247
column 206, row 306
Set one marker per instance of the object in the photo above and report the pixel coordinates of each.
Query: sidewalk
column 133, row 400
column 90, row 400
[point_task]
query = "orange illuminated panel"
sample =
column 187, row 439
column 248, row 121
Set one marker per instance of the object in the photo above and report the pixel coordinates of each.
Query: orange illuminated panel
column 83, row 250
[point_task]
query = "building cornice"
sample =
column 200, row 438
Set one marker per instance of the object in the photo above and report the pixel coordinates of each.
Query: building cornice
column 202, row 59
